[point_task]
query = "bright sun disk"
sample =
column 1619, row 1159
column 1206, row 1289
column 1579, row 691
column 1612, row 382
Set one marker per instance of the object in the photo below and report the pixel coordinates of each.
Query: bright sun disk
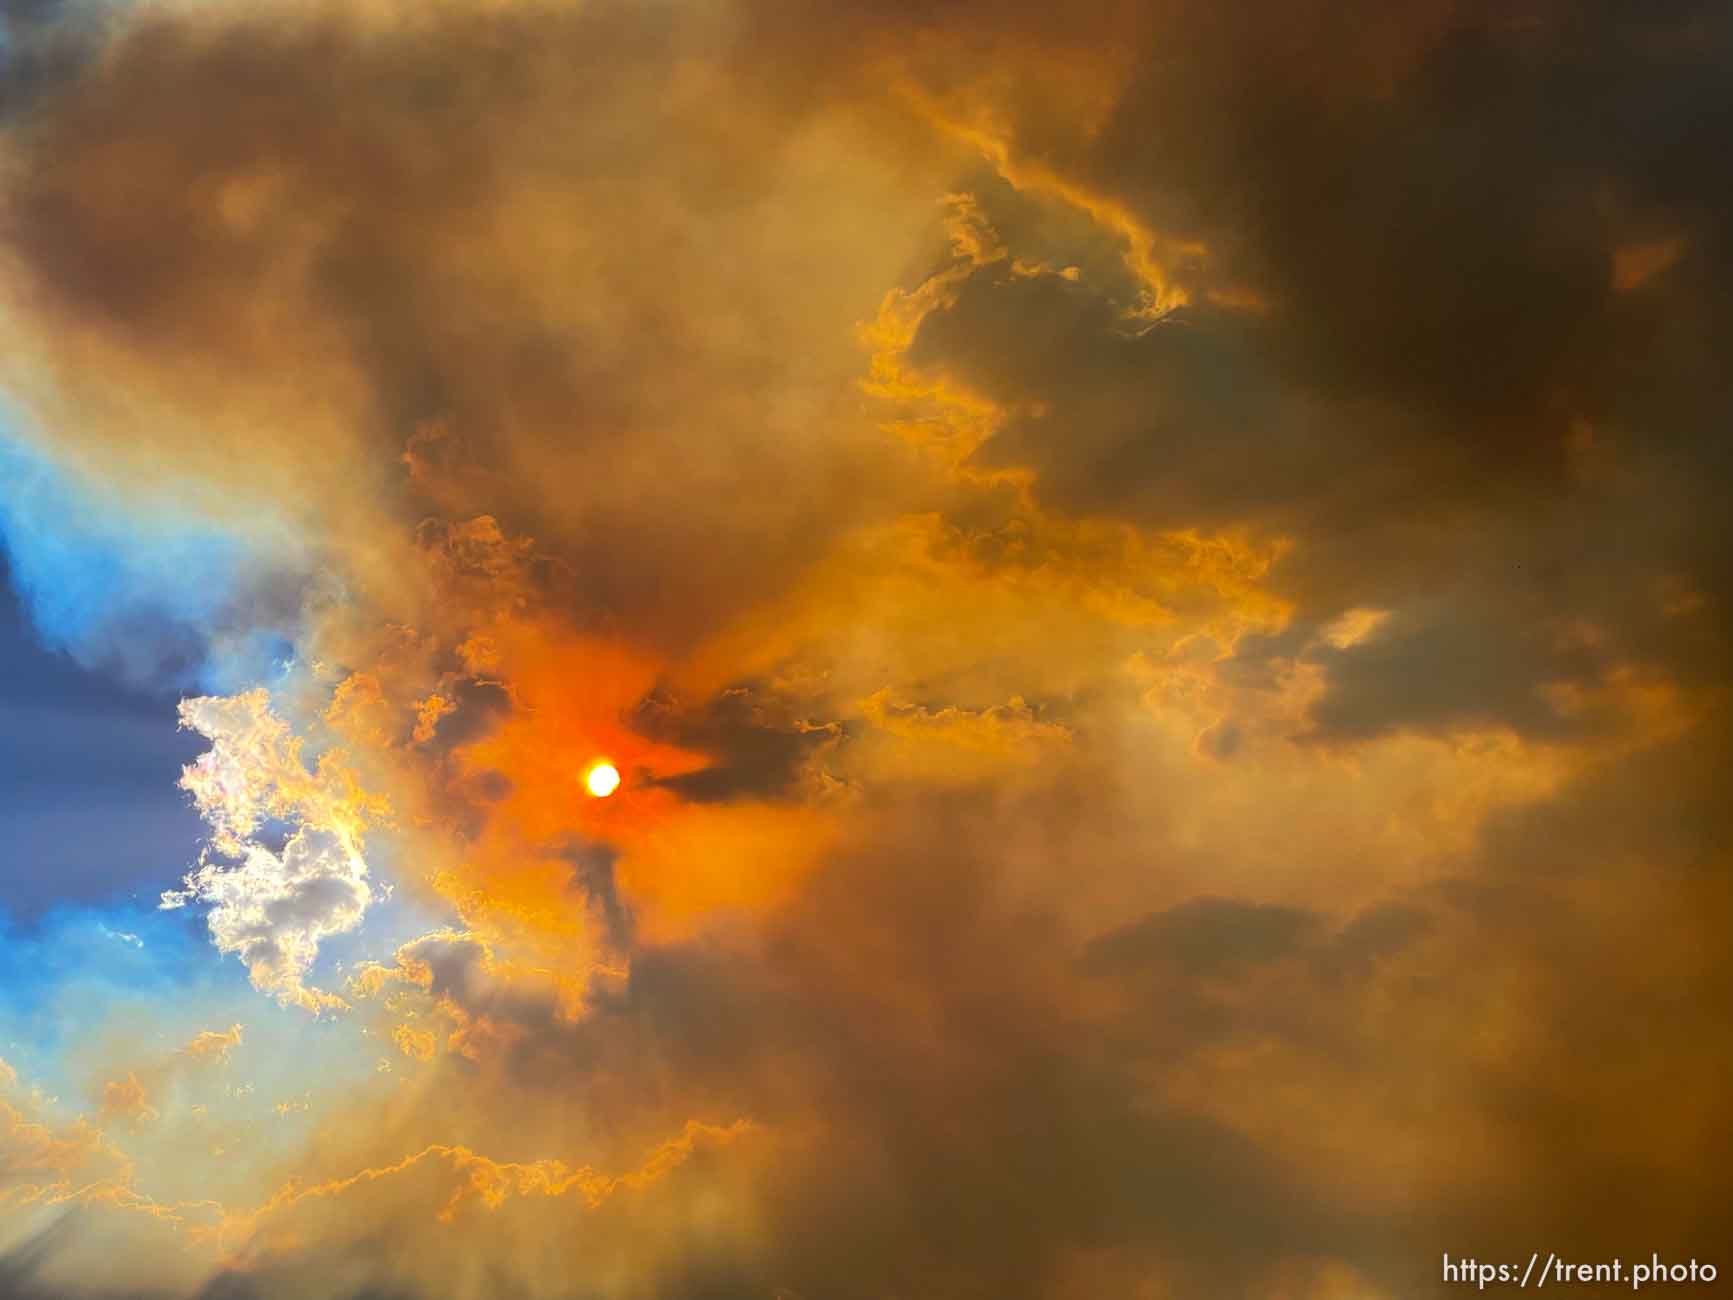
column 602, row 779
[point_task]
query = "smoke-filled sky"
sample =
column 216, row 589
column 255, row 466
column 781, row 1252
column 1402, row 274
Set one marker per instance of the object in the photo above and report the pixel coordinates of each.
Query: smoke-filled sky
column 1156, row 576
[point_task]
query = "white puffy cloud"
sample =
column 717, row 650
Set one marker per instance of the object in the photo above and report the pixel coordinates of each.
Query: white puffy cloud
column 270, row 907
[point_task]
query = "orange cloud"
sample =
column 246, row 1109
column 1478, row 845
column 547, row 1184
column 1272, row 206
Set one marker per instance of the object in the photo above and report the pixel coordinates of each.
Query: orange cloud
column 214, row 1044
column 701, row 862
column 481, row 1178
column 1635, row 265
column 124, row 1099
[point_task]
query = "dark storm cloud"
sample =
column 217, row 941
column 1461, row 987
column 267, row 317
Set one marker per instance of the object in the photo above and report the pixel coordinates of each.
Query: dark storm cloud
column 1439, row 231
column 1205, row 936
column 1554, row 980
column 1162, row 425
column 1449, row 665
column 1463, row 389
column 42, row 43
column 755, row 744
column 424, row 269
column 1590, row 919
column 1201, row 971
column 593, row 877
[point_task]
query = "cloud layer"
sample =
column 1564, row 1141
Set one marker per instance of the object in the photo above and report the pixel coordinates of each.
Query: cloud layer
column 1156, row 579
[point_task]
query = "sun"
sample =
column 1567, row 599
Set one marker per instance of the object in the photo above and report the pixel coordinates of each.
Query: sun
column 602, row 779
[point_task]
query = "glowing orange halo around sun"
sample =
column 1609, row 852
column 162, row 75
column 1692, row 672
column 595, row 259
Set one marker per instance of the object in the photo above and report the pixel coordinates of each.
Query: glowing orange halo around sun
column 602, row 779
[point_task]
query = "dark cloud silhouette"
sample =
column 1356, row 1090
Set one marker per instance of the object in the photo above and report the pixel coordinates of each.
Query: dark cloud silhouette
column 755, row 745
